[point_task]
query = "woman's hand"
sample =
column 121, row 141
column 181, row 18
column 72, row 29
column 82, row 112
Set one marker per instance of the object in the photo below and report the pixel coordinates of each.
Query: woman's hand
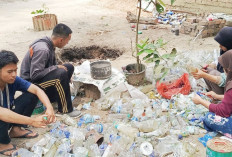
column 212, row 95
column 197, row 75
column 197, row 99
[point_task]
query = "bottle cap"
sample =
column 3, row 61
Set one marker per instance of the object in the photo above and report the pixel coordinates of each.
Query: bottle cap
column 146, row 148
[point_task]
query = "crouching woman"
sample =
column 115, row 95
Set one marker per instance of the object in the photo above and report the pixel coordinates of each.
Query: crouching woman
column 219, row 117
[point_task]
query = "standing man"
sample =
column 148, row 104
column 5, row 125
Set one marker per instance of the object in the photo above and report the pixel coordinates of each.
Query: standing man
column 39, row 66
column 18, row 111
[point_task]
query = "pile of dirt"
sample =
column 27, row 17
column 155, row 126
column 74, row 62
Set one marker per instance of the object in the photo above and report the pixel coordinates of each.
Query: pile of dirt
column 76, row 54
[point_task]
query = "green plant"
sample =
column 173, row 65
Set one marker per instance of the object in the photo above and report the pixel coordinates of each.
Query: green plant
column 44, row 10
column 152, row 51
column 159, row 4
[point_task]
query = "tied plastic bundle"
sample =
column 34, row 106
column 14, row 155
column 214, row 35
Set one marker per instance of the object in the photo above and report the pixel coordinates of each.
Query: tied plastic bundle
column 181, row 85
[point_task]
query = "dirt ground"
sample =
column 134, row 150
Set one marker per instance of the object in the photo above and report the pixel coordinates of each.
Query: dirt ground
column 94, row 22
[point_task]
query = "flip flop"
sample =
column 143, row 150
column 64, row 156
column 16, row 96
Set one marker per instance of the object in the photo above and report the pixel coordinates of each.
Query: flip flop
column 7, row 150
column 26, row 135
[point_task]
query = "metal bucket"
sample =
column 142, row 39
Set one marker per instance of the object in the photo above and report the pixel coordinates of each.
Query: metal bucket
column 100, row 70
column 218, row 147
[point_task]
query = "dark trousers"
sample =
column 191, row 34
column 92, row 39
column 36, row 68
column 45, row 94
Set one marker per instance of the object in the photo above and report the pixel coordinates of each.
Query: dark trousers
column 23, row 105
column 213, row 86
column 56, row 86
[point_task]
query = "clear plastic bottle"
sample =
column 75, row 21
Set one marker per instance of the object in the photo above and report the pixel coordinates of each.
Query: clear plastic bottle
column 88, row 118
column 78, row 136
column 38, row 150
column 94, row 151
column 120, row 117
column 127, row 130
column 107, row 151
column 80, row 151
column 68, row 120
column 96, row 127
column 147, row 126
column 63, row 148
column 23, row 153
column 102, row 148
column 53, row 149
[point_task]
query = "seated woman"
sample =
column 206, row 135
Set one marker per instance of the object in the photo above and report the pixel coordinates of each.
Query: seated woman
column 219, row 118
column 215, row 79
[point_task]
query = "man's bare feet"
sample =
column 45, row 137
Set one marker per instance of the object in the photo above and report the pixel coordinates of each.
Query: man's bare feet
column 7, row 149
column 18, row 132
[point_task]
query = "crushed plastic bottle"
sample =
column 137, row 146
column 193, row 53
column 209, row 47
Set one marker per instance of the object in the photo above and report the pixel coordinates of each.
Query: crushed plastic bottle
column 63, row 148
column 87, row 106
column 23, row 153
column 80, row 151
column 87, row 118
column 102, row 148
column 127, row 130
column 96, row 127
column 66, row 119
column 53, row 149
column 120, row 117
column 147, row 126
column 94, row 151
column 119, row 107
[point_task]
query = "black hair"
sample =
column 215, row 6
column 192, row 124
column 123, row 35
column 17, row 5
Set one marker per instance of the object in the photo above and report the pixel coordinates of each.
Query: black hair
column 61, row 30
column 7, row 57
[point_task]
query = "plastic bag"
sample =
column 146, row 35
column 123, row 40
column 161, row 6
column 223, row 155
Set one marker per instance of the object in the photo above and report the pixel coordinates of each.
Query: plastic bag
column 181, row 85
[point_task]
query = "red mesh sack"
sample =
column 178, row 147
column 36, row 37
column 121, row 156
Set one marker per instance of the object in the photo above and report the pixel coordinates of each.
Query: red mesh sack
column 181, row 85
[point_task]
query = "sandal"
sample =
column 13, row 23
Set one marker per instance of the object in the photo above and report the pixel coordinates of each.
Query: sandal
column 26, row 135
column 7, row 150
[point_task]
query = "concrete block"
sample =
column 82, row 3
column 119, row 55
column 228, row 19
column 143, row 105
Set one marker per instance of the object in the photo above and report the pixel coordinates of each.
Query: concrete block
column 211, row 27
column 199, row 28
column 217, row 21
column 211, row 31
column 182, row 30
column 221, row 25
column 198, row 20
column 186, row 24
column 204, row 33
column 191, row 20
column 217, row 26
column 203, row 23
column 194, row 26
column 211, row 23
column 193, row 34
column 223, row 21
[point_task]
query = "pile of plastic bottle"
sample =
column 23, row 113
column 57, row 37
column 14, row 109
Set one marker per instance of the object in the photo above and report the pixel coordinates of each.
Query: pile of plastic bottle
column 133, row 128
column 171, row 18
column 150, row 127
